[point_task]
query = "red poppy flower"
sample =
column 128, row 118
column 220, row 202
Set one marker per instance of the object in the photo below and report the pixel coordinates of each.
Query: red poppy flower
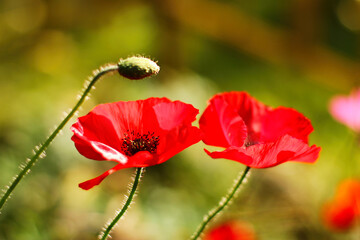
column 135, row 134
column 345, row 109
column 343, row 211
column 254, row 134
column 231, row 230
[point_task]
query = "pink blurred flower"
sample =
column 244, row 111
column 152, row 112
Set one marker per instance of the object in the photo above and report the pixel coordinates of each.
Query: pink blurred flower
column 346, row 109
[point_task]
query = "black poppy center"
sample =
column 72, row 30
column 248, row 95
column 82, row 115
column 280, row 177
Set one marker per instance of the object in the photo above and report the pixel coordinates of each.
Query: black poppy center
column 136, row 142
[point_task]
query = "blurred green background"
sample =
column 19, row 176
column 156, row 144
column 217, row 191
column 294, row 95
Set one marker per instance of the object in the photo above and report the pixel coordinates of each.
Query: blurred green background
column 294, row 53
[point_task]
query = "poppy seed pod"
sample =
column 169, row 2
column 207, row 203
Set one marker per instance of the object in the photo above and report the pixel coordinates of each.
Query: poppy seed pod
column 136, row 68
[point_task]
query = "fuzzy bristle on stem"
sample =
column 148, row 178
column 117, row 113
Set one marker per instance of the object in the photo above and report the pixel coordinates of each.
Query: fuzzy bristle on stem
column 132, row 68
column 39, row 151
column 119, row 213
column 224, row 202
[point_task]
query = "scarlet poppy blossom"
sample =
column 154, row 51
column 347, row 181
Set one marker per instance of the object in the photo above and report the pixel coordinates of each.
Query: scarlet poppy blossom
column 343, row 211
column 231, row 230
column 346, row 109
column 255, row 134
column 135, row 134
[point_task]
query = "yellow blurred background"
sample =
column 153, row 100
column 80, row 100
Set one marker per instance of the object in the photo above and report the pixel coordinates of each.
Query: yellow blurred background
column 293, row 53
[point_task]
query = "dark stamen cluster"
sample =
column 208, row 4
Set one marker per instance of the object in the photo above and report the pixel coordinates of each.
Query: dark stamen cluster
column 136, row 142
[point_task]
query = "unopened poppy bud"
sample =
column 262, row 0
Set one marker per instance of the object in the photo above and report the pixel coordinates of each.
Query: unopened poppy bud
column 137, row 67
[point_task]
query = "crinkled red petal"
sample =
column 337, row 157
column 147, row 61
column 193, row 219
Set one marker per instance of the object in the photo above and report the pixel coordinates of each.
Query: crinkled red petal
column 250, row 110
column 266, row 155
column 140, row 159
column 175, row 119
column 281, row 121
column 178, row 140
column 86, row 150
column 174, row 114
column 93, row 149
column 96, row 181
column 221, row 125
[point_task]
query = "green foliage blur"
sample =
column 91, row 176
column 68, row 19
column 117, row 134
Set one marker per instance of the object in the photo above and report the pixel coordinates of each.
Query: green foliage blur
column 294, row 53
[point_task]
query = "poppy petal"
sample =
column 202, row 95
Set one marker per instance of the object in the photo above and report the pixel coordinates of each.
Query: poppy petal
column 124, row 117
column 342, row 212
column 94, row 149
column 281, row 121
column 339, row 217
column 174, row 119
column 177, row 141
column 174, row 114
column 221, row 125
column 140, row 159
column 96, row 181
column 266, row 155
column 108, row 152
column 86, row 150
column 96, row 127
column 231, row 230
column 250, row 110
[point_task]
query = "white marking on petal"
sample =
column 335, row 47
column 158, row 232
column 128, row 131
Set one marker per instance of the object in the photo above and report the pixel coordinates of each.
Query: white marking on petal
column 108, row 152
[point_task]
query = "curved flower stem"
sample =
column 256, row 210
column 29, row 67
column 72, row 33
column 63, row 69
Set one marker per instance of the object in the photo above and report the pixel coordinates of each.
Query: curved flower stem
column 108, row 229
column 222, row 204
column 39, row 151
